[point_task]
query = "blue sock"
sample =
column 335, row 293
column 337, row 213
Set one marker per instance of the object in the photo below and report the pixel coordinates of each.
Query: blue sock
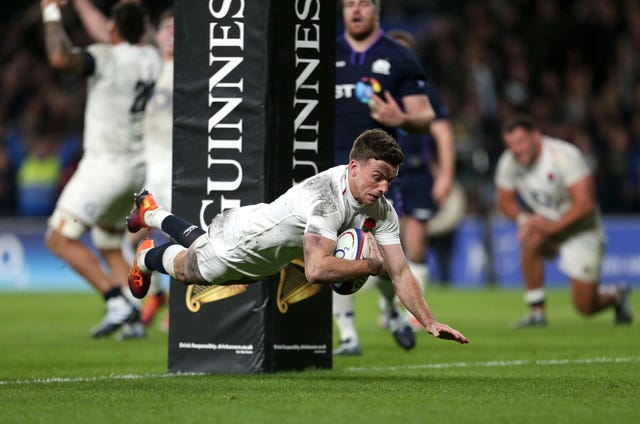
column 180, row 230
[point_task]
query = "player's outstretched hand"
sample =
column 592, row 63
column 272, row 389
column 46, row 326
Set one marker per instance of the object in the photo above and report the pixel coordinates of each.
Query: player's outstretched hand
column 443, row 331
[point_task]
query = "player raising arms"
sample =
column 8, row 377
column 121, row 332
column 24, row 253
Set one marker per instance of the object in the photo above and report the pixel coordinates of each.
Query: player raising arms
column 120, row 75
column 251, row 242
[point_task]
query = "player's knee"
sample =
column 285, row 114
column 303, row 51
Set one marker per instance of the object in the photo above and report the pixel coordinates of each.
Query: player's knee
column 584, row 309
column 62, row 227
column 185, row 265
column 105, row 239
column 585, row 304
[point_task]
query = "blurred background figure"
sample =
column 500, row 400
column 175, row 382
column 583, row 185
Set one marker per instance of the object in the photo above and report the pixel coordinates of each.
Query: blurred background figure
column 121, row 75
column 158, row 132
column 379, row 84
column 546, row 187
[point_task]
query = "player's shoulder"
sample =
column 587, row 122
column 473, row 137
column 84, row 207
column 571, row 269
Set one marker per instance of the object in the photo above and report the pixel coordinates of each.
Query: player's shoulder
column 506, row 164
column 100, row 49
column 560, row 148
column 395, row 49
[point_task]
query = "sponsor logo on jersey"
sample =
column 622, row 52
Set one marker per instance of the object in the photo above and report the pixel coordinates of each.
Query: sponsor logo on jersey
column 341, row 63
column 366, row 87
column 381, row 66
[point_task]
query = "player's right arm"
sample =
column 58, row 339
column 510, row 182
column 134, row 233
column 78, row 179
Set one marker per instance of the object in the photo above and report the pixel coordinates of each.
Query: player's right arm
column 60, row 52
column 410, row 294
column 95, row 23
column 321, row 265
column 507, row 201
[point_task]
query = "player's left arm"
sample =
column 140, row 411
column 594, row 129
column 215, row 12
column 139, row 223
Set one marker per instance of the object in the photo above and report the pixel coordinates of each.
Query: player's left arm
column 443, row 136
column 61, row 54
column 410, row 294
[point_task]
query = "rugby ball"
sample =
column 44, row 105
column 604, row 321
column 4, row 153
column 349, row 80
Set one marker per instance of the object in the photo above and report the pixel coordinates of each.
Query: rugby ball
column 351, row 245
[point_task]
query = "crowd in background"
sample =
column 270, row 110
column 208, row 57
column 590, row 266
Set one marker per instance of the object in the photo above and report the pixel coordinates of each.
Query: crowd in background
column 575, row 65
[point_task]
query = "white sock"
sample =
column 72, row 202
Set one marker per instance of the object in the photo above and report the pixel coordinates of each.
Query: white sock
column 387, row 293
column 154, row 218
column 130, row 298
column 169, row 256
column 421, row 272
column 343, row 313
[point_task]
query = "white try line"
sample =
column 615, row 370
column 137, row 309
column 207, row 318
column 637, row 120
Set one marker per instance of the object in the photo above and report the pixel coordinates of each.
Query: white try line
column 513, row 363
column 489, row 364
column 52, row 380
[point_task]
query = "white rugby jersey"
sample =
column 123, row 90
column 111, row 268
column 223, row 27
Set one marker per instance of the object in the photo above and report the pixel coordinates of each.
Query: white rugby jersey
column 260, row 239
column 118, row 91
column 544, row 186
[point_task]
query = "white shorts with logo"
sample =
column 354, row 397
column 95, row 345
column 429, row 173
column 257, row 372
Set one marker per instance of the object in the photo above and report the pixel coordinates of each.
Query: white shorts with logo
column 581, row 256
column 101, row 190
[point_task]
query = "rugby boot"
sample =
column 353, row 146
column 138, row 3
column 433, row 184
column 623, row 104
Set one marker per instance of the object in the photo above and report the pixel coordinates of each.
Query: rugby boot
column 534, row 319
column 401, row 330
column 139, row 280
column 119, row 311
column 144, row 202
column 623, row 314
column 348, row 347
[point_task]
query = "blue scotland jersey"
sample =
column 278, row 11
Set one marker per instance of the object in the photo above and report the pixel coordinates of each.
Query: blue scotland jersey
column 386, row 65
column 417, row 148
column 411, row 192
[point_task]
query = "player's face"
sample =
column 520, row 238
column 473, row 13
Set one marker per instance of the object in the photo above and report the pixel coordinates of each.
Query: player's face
column 524, row 144
column 370, row 179
column 360, row 18
column 164, row 38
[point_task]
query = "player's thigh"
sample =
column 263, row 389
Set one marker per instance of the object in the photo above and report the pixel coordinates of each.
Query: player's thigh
column 203, row 256
column 414, row 238
column 101, row 191
column 581, row 256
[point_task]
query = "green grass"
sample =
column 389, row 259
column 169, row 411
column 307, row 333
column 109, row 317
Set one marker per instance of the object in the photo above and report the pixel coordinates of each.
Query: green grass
column 576, row 370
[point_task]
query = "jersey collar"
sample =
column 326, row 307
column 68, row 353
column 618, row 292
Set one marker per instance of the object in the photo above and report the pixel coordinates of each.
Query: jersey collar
column 357, row 58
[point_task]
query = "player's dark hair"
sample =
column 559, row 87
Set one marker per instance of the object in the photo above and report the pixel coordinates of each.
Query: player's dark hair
column 377, row 144
column 129, row 19
column 519, row 121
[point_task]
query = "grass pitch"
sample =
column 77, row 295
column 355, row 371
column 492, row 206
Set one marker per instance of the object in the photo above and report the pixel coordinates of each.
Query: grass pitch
column 575, row 370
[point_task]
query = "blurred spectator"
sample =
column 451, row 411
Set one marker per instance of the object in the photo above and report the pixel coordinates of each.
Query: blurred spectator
column 573, row 64
column 41, row 112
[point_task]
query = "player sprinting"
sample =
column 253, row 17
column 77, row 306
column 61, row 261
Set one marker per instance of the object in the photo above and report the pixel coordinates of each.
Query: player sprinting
column 120, row 75
column 246, row 244
column 556, row 185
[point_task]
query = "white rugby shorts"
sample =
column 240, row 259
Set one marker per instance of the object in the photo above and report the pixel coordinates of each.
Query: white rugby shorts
column 581, row 256
column 101, row 189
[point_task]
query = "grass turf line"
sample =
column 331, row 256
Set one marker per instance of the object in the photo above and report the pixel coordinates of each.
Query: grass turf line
column 45, row 336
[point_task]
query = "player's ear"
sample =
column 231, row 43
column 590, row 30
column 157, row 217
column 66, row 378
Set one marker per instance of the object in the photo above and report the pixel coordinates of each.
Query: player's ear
column 354, row 167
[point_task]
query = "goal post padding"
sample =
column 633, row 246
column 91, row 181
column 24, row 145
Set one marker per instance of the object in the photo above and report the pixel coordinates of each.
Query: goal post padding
column 253, row 114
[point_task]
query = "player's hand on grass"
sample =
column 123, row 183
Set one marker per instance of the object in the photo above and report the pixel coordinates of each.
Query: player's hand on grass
column 443, row 331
